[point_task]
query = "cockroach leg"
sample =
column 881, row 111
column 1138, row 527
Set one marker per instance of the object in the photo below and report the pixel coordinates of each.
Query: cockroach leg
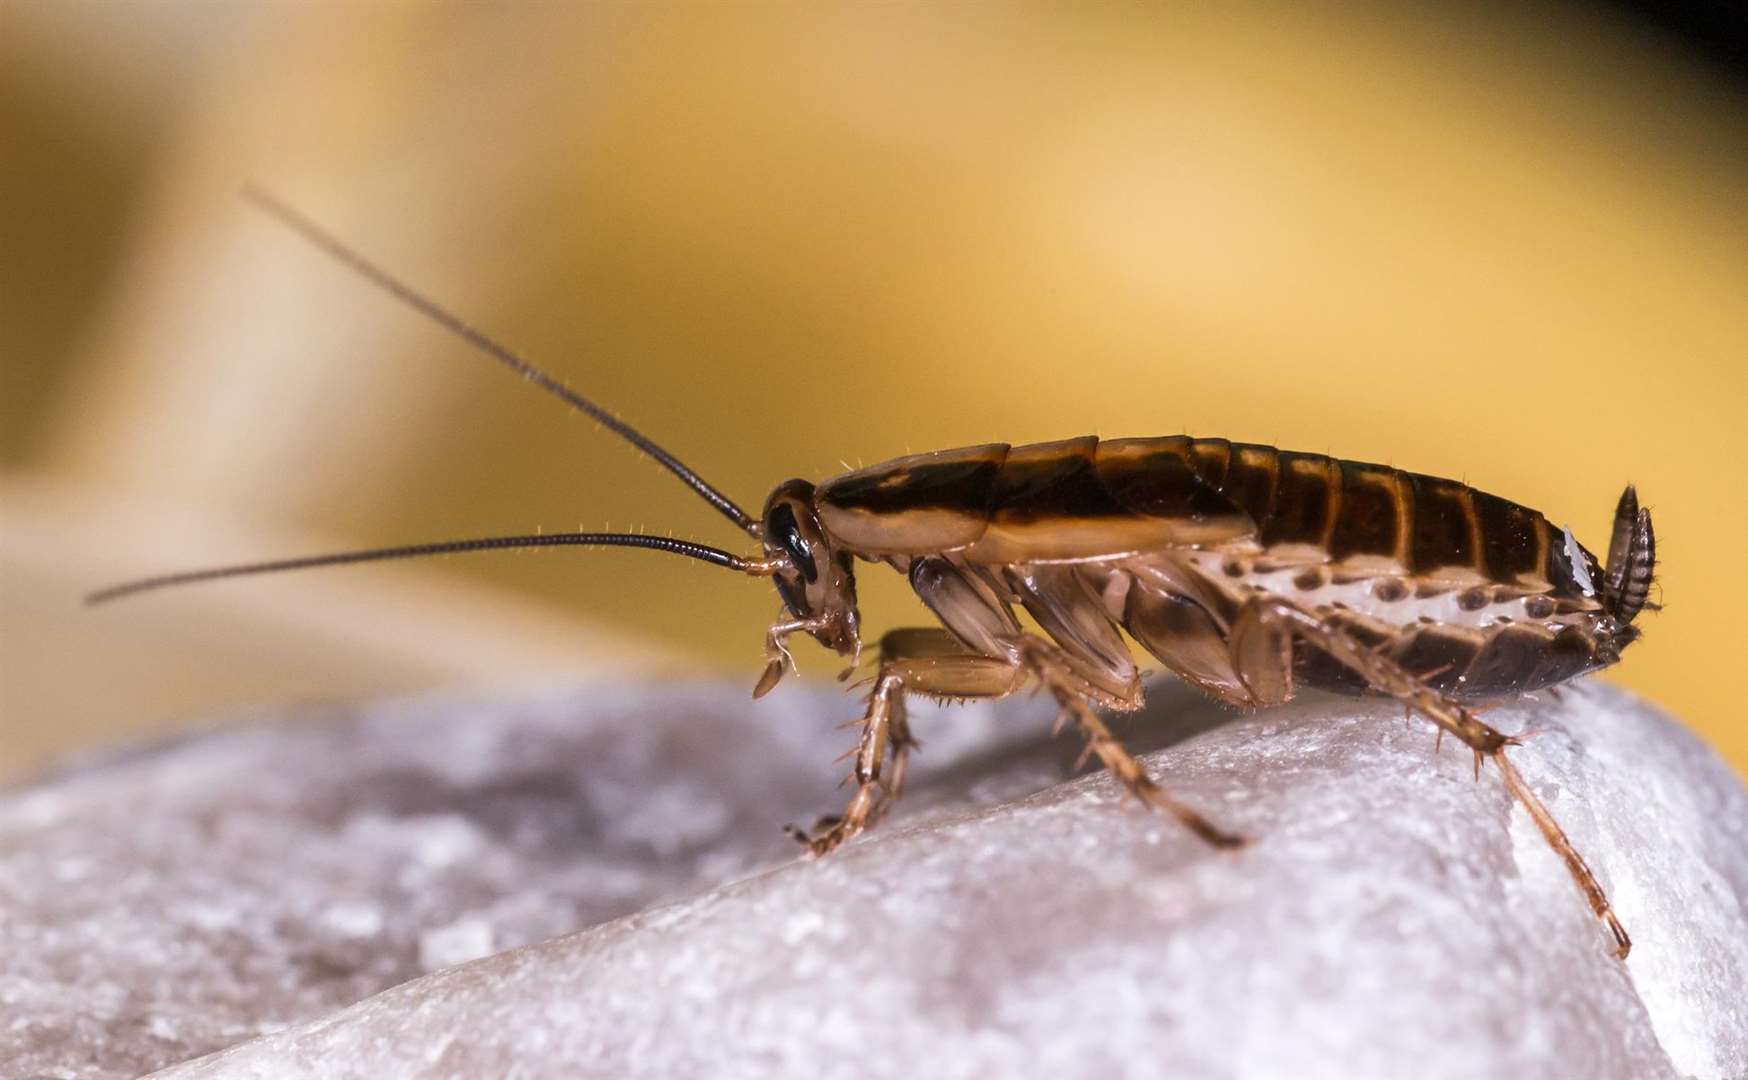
column 925, row 661
column 902, row 742
column 1557, row 839
column 1385, row 675
column 878, row 782
column 1379, row 671
column 777, row 657
column 1072, row 694
column 886, row 699
column 934, row 663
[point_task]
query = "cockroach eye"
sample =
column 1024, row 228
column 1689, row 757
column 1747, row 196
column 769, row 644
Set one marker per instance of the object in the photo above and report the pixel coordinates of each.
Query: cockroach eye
column 787, row 533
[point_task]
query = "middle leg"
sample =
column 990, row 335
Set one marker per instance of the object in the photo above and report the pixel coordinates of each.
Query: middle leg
column 1047, row 662
column 1084, row 662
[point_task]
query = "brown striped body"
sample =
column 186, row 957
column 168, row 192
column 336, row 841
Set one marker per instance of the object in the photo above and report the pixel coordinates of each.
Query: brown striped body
column 1480, row 596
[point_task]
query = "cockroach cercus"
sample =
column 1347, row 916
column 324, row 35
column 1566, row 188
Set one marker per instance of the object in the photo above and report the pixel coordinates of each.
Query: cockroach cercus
column 1247, row 571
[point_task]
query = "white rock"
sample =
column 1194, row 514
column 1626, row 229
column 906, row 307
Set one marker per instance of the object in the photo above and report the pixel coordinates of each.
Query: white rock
column 1393, row 919
column 467, row 938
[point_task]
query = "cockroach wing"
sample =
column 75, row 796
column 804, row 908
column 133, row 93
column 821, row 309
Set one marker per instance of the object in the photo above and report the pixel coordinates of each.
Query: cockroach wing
column 1084, row 499
column 1074, row 500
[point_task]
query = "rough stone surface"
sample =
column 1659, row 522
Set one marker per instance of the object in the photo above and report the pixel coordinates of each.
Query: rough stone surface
column 252, row 887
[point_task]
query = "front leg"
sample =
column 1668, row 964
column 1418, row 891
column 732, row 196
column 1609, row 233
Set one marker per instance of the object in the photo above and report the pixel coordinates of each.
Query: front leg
column 777, row 657
column 933, row 662
column 923, row 661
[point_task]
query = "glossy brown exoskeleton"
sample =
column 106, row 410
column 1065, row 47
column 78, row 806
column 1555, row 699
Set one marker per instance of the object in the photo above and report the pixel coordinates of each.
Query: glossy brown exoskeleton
column 1246, row 570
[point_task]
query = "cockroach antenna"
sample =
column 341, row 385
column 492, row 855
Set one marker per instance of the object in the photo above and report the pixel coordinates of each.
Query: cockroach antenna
column 329, row 244
column 701, row 552
column 392, row 285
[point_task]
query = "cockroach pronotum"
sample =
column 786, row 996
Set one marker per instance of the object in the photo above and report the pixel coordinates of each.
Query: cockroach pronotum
column 1245, row 570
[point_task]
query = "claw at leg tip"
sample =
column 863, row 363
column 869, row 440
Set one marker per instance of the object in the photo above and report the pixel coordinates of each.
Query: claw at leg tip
column 795, row 833
column 1623, row 943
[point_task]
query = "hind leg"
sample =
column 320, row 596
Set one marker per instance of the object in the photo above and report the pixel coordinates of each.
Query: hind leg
column 1261, row 640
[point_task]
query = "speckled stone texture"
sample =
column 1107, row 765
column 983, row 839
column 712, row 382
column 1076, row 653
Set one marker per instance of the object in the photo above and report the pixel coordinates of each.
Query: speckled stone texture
column 605, row 868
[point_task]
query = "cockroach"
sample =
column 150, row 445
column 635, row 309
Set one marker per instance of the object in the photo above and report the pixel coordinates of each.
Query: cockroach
column 1247, row 571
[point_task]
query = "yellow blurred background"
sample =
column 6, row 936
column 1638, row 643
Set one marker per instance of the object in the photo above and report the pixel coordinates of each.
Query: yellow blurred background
column 1505, row 244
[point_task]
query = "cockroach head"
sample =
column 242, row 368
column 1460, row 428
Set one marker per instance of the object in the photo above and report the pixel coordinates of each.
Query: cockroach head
column 1632, row 560
column 815, row 580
